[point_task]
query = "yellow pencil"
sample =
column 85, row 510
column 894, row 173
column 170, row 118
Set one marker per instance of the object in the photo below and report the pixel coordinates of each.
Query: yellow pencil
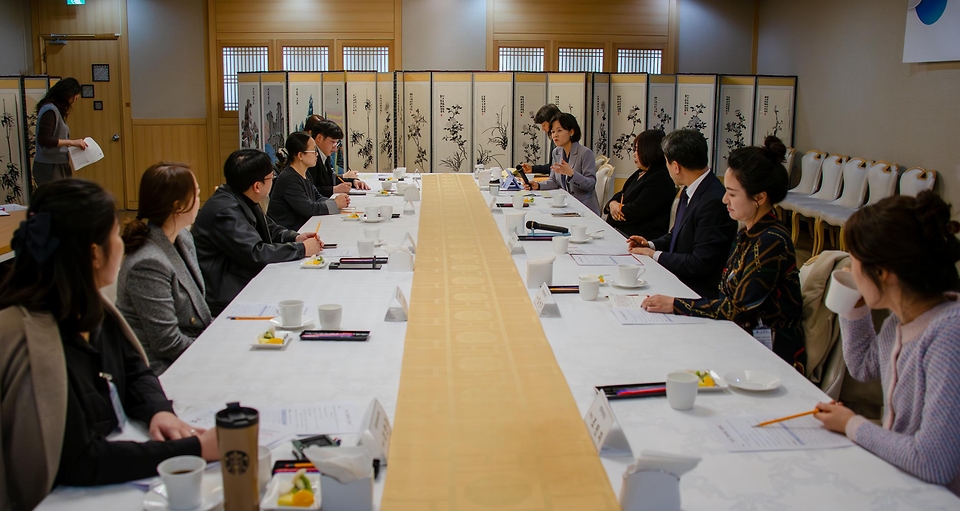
column 781, row 419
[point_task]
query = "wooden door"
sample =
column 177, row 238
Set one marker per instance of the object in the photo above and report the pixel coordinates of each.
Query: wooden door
column 76, row 58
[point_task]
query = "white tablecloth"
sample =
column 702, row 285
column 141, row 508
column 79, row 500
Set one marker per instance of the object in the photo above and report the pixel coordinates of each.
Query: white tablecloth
column 591, row 347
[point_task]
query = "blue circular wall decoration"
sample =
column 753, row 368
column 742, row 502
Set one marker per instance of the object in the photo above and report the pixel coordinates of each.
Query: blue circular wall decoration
column 929, row 11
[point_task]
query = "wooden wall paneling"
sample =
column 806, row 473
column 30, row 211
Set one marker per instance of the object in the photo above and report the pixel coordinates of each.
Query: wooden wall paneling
column 600, row 118
column 273, row 87
column 360, row 133
column 400, row 130
column 13, row 187
column 453, row 122
column 568, row 91
column 279, row 16
column 530, row 141
column 697, row 106
column 303, row 98
column 418, row 140
column 95, row 17
column 249, row 121
column 493, row 119
column 735, row 116
column 171, row 140
column 606, row 17
column 227, row 133
column 776, row 103
column 628, row 113
column 385, row 140
column 661, row 102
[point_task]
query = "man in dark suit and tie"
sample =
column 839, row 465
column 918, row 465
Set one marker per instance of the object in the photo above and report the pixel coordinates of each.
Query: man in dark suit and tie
column 697, row 247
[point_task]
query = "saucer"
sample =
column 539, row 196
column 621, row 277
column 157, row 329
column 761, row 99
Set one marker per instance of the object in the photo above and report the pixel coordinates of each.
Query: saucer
column 305, row 324
column 370, row 220
column 587, row 240
column 352, row 217
column 311, row 264
column 640, row 283
column 156, row 498
column 552, row 205
column 758, row 381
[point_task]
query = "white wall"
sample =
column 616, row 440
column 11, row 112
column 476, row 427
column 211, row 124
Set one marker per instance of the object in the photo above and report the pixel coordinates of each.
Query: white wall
column 448, row 35
column 167, row 69
column 16, row 52
column 855, row 96
column 716, row 36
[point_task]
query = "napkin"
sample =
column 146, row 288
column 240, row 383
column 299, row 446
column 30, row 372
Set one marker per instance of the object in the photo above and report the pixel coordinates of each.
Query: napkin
column 540, row 271
column 663, row 461
column 345, row 464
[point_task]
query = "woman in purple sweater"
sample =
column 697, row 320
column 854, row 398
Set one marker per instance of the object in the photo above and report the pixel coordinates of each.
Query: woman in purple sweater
column 904, row 252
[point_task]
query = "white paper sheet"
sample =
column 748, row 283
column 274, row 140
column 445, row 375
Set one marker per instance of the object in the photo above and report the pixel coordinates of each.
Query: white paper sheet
column 328, row 418
column 328, row 253
column 610, row 250
column 627, row 301
column 271, row 434
column 641, row 317
column 83, row 157
column 258, row 310
column 604, row 260
column 738, row 434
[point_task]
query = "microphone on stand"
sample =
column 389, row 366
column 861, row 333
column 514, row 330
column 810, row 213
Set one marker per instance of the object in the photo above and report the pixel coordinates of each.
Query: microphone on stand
column 546, row 227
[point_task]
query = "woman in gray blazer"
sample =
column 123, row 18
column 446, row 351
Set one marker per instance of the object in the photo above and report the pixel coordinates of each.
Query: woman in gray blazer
column 574, row 168
column 160, row 289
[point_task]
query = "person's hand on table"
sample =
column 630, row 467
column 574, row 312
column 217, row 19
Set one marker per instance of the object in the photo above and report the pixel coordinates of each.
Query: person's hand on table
column 167, row 426
column 312, row 245
column 616, row 213
column 350, row 174
column 563, row 168
column 342, row 200
column 343, row 188
column 658, row 303
column 360, row 185
column 635, row 241
column 642, row 251
column 834, row 416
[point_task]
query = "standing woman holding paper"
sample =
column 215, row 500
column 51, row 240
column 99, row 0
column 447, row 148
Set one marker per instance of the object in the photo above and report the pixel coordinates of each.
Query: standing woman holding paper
column 574, row 168
column 53, row 135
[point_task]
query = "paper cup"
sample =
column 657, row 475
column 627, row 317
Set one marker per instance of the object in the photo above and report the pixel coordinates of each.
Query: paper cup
column 183, row 477
column 483, row 177
column 372, row 212
column 518, row 201
column 843, row 295
column 330, row 315
column 264, row 466
column 494, row 189
column 560, row 244
column 682, row 390
column 291, row 312
column 399, row 172
column 386, row 212
column 578, row 232
column 365, row 247
column 371, row 233
column 515, row 221
column 559, row 199
column 628, row 274
column 589, row 288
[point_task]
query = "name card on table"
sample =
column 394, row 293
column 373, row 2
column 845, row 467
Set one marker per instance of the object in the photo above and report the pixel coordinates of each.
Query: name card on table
column 399, row 310
column 376, row 431
column 493, row 205
column 606, row 433
column 545, row 304
column 514, row 245
column 409, row 243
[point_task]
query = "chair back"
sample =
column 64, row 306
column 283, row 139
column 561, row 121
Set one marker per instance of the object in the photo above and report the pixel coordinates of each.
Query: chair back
column 917, row 180
column 810, row 168
column 881, row 181
column 831, row 178
column 601, row 160
column 604, row 181
column 854, row 183
column 821, row 328
column 788, row 161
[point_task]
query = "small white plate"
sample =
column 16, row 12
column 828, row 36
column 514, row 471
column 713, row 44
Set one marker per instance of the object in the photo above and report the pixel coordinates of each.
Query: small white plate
column 604, row 279
column 552, row 205
column 272, row 493
column 351, row 218
column 306, row 322
column 372, row 220
column 751, row 379
column 640, row 283
column 156, row 498
column 308, row 264
column 257, row 345
column 588, row 240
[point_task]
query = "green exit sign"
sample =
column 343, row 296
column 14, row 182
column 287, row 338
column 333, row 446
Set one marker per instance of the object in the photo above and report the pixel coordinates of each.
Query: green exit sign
column 76, row 2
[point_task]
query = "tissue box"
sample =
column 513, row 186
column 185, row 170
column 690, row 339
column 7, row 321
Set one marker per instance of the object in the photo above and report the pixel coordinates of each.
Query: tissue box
column 355, row 496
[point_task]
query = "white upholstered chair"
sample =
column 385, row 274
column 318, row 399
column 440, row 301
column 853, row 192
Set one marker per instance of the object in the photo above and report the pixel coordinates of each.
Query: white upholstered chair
column 881, row 183
column 604, row 187
column 601, row 160
column 916, row 180
column 831, row 179
column 788, row 161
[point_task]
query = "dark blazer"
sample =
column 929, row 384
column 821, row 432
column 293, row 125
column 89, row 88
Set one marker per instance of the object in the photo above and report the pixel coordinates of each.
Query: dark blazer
column 583, row 183
column 646, row 204
column 294, row 199
column 235, row 240
column 704, row 238
column 324, row 178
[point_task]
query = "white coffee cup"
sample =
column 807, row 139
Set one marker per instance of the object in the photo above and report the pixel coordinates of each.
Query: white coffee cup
column 559, row 199
column 518, row 201
column 578, row 232
column 560, row 244
column 515, row 221
column 682, row 390
column 183, row 477
column 365, row 247
column 291, row 312
column 399, row 172
column 386, row 212
column 372, row 212
column 264, row 466
column 629, row 273
column 589, row 287
column 386, row 185
column 843, row 295
column 494, row 189
column 330, row 315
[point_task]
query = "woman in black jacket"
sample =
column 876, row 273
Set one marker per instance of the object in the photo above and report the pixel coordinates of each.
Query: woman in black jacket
column 642, row 207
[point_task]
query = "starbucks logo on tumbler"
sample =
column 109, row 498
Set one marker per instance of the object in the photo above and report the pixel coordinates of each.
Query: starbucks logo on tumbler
column 237, row 462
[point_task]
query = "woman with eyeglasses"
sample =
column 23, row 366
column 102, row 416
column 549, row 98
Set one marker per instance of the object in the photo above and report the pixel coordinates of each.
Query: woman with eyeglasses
column 294, row 198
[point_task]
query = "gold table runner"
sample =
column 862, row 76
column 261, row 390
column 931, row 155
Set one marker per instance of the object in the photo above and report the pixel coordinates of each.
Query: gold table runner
column 485, row 419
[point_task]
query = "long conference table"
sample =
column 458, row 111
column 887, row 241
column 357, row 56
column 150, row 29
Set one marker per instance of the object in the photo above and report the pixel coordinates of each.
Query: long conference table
column 590, row 348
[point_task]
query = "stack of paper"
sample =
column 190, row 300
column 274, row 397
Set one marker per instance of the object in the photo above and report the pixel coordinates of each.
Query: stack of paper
column 80, row 158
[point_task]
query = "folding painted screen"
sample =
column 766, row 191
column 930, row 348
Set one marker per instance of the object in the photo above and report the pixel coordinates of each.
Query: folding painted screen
column 304, row 98
column 400, row 126
column 697, row 106
column 530, row 141
column 248, row 96
column 599, row 119
column 386, row 145
column 452, row 120
column 628, row 109
column 13, row 182
column 569, row 92
column 417, row 116
column 735, row 117
column 273, row 94
column 493, row 119
column 776, row 104
column 360, row 133
column 661, row 102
